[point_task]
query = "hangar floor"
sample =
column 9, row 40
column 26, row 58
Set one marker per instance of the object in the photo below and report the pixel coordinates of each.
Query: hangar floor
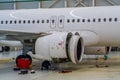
column 86, row 70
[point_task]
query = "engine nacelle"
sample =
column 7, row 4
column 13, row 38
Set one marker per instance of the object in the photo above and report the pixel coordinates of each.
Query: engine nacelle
column 97, row 50
column 60, row 45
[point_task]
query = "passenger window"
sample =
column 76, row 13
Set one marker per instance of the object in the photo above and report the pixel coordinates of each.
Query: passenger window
column 10, row 21
column 33, row 21
column 78, row 20
column 115, row 19
column 47, row 21
column 2, row 22
column 94, row 19
column 99, row 19
column 88, row 20
column 60, row 20
column 68, row 20
column 23, row 21
column 6, row 22
column 38, row 21
column 53, row 21
column 110, row 19
column 73, row 20
column 19, row 21
column 28, row 21
column 104, row 19
column 15, row 21
column 42, row 21
column 83, row 20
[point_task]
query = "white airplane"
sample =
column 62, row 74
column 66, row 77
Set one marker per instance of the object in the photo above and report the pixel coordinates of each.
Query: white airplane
column 63, row 33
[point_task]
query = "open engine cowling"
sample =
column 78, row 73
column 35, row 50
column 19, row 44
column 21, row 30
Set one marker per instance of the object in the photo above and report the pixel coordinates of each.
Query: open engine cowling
column 60, row 45
column 97, row 50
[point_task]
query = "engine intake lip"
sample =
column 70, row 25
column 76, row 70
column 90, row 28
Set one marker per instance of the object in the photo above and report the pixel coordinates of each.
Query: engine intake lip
column 75, row 49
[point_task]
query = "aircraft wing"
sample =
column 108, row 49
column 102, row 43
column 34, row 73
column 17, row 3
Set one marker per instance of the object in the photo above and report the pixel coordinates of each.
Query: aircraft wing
column 10, row 43
column 15, row 35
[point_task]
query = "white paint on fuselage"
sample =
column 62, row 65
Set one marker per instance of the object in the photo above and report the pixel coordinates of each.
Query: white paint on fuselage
column 108, row 32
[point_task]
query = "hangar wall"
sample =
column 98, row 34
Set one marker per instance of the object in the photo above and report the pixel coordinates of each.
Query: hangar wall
column 55, row 4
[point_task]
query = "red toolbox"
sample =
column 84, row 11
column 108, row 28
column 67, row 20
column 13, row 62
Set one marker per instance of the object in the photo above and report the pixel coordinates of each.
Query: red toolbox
column 23, row 63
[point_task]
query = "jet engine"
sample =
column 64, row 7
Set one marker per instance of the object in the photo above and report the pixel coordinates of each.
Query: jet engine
column 97, row 50
column 60, row 45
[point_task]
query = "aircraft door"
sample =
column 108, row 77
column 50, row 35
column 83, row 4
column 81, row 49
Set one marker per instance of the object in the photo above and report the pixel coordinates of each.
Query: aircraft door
column 53, row 21
column 61, row 21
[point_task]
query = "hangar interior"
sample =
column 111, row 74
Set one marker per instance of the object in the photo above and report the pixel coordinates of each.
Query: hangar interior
column 86, row 68
column 33, row 4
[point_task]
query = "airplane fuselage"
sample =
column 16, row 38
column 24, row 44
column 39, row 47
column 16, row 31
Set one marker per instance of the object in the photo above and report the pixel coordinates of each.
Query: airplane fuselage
column 103, row 21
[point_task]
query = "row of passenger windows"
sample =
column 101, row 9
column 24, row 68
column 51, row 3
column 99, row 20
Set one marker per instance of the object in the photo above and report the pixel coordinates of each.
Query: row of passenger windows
column 23, row 21
column 93, row 20
column 61, row 20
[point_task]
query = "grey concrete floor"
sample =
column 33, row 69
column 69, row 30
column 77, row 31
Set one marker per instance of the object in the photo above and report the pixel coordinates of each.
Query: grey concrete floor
column 86, row 70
